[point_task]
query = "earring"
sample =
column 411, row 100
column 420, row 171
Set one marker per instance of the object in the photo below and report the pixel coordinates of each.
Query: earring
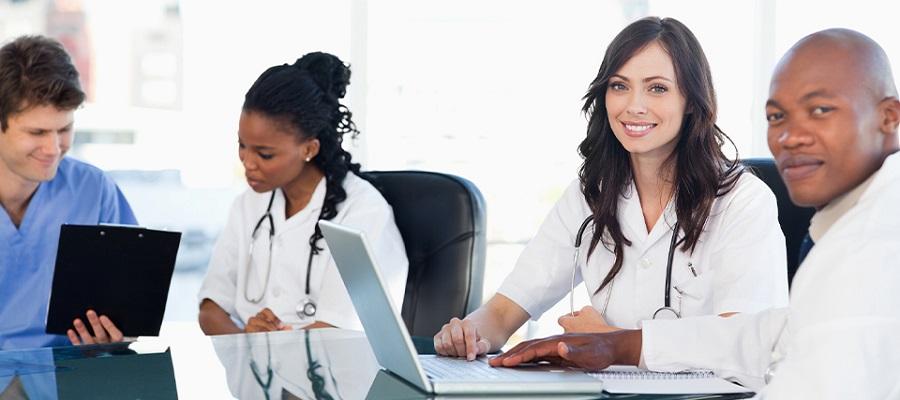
column 308, row 158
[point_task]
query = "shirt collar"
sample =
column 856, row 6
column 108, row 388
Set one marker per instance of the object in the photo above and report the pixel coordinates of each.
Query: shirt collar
column 823, row 219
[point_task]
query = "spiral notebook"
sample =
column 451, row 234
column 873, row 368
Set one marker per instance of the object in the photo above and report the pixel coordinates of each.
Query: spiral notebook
column 629, row 379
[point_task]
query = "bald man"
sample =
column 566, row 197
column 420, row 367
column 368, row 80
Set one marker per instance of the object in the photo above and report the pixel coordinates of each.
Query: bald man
column 833, row 117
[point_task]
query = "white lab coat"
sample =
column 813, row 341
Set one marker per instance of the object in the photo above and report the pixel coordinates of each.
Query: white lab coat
column 838, row 340
column 740, row 260
column 364, row 209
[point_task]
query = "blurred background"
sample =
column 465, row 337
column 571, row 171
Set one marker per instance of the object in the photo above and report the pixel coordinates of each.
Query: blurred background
column 488, row 90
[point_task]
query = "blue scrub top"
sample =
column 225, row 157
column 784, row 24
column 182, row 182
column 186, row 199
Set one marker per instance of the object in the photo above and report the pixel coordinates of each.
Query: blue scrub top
column 79, row 194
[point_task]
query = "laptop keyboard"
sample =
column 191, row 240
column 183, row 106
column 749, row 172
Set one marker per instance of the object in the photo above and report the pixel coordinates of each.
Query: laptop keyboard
column 459, row 368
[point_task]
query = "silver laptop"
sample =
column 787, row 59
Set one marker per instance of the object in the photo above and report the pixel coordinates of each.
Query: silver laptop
column 394, row 349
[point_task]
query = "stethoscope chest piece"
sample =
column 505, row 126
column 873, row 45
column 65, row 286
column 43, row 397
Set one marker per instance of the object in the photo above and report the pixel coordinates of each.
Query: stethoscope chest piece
column 306, row 308
column 666, row 313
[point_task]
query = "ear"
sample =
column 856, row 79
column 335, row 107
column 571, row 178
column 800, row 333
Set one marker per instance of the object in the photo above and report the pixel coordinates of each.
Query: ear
column 889, row 114
column 312, row 148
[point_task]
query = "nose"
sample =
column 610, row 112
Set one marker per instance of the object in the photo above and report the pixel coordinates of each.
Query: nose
column 636, row 104
column 52, row 145
column 794, row 136
column 248, row 162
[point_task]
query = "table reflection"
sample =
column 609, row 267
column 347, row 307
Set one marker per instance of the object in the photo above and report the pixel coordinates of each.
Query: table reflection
column 109, row 371
column 317, row 364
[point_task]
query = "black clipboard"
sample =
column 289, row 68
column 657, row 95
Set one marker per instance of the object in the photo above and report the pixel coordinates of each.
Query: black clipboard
column 122, row 272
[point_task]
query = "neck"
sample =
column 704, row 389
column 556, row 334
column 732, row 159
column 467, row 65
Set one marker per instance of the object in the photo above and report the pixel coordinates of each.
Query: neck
column 15, row 193
column 653, row 184
column 298, row 192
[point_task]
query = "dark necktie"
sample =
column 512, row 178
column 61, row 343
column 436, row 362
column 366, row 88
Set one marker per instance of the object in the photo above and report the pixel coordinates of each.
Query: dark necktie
column 805, row 247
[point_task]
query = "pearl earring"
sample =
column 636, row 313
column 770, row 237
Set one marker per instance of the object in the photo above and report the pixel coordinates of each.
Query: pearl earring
column 308, row 158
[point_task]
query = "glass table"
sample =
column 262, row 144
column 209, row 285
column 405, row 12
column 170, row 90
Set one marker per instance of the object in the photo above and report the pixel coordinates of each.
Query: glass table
column 183, row 363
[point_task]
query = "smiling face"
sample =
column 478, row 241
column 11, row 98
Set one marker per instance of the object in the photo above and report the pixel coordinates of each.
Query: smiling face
column 273, row 157
column 825, row 124
column 34, row 143
column 644, row 103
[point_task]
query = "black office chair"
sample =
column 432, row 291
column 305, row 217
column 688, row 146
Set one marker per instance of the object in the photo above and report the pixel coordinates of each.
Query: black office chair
column 794, row 220
column 442, row 220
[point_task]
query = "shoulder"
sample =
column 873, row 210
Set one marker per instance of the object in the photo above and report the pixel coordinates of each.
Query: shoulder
column 362, row 192
column 749, row 190
column 82, row 177
column 71, row 170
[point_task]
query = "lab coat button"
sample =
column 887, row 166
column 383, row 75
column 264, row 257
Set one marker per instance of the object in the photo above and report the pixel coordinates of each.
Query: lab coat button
column 645, row 262
column 276, row 291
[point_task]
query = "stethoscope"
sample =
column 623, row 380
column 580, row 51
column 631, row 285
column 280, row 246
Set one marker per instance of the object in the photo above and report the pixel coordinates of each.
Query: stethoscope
column 307, row 307
column 664, row 312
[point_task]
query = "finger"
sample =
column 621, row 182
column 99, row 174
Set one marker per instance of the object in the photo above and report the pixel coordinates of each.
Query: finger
column 83, row 333
column 115, row 335
column 447, row 340
column 438, row 347
column 459, row 338
column 565, row 322
column 470, row 337
column 270, row 316
column 99, row 333
column 532, row 353
column 258, row 324
column 483, row 346
column 498, row 360
column 73, row 337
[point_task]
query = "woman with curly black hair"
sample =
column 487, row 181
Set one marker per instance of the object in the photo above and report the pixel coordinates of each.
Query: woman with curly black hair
column 270, row 269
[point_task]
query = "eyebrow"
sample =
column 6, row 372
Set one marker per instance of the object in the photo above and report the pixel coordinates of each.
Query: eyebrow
column 817, row 93
column 806, row 97
column 647, row 79
column 38, row 129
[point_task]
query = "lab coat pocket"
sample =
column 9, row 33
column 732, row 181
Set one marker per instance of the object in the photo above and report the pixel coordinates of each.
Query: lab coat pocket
column 694, row 294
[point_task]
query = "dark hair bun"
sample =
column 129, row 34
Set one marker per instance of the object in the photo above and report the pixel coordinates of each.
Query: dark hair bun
column 328, row 71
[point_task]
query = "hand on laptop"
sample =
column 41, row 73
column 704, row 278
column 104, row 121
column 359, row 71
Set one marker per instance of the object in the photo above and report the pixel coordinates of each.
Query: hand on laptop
column 592, row 351
column 265, row 321
column 104, row 330
column 587, row 320
column 460, row 338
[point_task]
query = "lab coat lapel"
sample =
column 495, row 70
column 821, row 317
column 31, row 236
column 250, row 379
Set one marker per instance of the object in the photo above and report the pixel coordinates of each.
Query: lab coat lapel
column 630, row 212
column 663, row 227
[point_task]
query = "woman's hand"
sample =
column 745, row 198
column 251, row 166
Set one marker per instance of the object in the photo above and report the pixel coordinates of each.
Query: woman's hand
column 587, row 320
column 460, row 338
column 104, row 330
column 265, row 321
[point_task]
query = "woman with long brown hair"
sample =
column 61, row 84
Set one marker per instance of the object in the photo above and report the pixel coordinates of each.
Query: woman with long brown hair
column 660, row 224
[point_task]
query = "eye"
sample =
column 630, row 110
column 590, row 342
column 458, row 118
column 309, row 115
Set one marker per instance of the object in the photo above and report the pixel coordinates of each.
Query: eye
column 265, row 156
column 618, row 86
column 658, row 89
column 774, row 117
column 821, row 110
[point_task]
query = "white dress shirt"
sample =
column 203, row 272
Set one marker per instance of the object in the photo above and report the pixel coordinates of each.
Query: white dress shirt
column 364, row 209
column 838, row 340
column 738, row 265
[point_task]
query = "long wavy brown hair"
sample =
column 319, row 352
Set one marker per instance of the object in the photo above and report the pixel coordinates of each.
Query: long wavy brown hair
column 700, row 170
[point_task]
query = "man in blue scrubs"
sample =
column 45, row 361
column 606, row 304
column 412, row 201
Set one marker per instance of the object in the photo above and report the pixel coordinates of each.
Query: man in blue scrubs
column 41, row 189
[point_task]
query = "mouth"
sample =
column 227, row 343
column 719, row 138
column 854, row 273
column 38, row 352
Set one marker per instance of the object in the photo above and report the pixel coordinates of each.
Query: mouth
column 45, row 161
column 254, row 183
column 637, row 128
column 794, row 168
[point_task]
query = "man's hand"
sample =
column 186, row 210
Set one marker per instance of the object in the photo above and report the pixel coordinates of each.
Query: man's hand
column 592, row 351
column 587, row 320
column 104, row 330
column 265, row 321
